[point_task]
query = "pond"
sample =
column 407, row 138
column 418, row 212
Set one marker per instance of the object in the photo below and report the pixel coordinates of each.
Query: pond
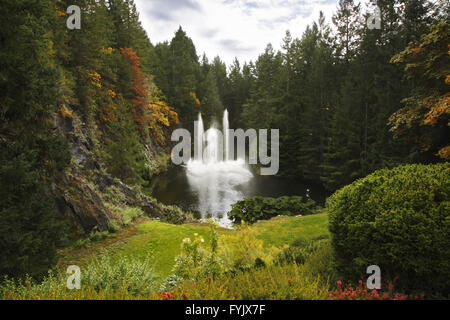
column 214, row 179
column 212, row 189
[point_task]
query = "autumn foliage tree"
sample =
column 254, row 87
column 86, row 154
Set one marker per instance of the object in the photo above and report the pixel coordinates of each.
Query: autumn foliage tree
column 425, row 117
column 149, row 110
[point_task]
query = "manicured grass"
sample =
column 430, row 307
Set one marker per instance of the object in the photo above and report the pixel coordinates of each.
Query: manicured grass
column 281, row 231
column 162, row 240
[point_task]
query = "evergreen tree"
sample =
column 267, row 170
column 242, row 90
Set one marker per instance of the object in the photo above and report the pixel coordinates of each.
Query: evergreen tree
column 184, row 75
column 31, row 156
column 347, row 22
column 123, row 152
column 212, row 107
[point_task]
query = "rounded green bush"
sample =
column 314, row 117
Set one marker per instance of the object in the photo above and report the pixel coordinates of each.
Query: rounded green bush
column 397, row 219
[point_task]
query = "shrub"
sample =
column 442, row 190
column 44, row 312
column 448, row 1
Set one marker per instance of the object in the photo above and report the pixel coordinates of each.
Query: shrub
column 114, row 196
column 94, row 236
column 102, row 278
column 242, row 250
column 105, row 273
column 320, row 263
column 130, row 214
column 399, row 220
column 299, row 251
column 124, row 215
column 263, row 208
column 195, row 261
column 274, row 282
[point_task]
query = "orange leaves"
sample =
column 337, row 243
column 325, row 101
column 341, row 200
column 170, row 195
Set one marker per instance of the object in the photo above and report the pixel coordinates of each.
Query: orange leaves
column 95, row 78
column 438, row 110
column 108, row 111
column 139, row 86
column 149, row 110
column 444, row 153
column 112, row 93
column 65, row 113
column 60, row 12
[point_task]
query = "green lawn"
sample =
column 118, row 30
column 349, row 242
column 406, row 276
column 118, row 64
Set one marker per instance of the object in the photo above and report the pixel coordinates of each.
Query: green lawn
column 283, row 230
column 163, row 240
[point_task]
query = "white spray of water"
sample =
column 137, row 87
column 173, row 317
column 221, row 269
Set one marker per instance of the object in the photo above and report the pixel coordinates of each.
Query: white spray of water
column 225, row 134
column 214, row 179
column 200, row 132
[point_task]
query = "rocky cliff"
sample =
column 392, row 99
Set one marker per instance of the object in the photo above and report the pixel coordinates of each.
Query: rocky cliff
column 81, row 190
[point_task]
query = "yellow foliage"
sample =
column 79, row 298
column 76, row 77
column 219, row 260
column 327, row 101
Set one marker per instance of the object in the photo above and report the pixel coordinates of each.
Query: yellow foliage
column 60, row 13
column 112, row 93
column 109, row 50
column 241, row 249
column 196, row 100
column 95, row 78
column 65, row 113
column 444, row 153
column 158, row 113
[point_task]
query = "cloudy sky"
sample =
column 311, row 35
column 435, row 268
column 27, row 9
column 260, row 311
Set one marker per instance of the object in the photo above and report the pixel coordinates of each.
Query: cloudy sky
column 231, row 28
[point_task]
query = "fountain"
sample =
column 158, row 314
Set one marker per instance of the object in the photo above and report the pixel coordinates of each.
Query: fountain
column 225, row 133
column 212, row 175
column 199, row 133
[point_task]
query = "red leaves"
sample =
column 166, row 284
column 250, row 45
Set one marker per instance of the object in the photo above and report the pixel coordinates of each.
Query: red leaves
column 168, row 295
column 149, row 111
column 139, row 83
column 363, row 293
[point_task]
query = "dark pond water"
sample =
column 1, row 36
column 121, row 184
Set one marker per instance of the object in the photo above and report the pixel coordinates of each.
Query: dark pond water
column 214, row 196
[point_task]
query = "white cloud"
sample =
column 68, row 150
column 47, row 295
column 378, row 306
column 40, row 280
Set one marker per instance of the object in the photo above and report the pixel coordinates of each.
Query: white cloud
column 231, row 28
